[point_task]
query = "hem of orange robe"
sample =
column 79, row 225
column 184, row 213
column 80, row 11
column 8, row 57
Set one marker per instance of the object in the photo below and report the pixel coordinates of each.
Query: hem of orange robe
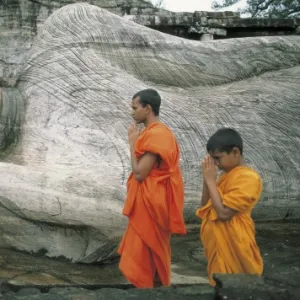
column 158, row 282
column 134, row 283
column 168, row 284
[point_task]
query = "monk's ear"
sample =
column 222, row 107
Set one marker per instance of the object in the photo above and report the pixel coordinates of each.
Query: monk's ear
column 149, row 108
column 236, row 151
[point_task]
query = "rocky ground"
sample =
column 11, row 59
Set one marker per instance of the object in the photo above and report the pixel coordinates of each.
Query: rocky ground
column 23, row 276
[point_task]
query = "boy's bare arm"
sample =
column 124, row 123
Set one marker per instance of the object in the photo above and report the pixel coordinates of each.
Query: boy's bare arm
column 224, row 213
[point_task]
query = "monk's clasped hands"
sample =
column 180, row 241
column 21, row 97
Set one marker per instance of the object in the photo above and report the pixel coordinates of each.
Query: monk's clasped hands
column 133, row 134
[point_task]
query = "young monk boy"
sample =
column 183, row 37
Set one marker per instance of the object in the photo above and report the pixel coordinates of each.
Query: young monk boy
column 227, row 229
column 155, row 196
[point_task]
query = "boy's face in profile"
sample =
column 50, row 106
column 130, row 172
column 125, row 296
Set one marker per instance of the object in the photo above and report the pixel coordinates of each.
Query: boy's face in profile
column 226, row 161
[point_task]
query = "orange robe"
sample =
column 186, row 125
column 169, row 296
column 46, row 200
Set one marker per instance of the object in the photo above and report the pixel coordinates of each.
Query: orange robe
column 155, row 211
column 230, row 246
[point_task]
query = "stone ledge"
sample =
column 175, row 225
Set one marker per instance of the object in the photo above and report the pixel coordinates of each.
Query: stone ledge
column 254, row 23
column 229, row 287
column 207, row 30
column 219, row 14
column 241, row 287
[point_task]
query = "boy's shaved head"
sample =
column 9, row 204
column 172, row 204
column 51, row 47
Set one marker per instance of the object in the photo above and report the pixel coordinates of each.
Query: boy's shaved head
column 224, row 140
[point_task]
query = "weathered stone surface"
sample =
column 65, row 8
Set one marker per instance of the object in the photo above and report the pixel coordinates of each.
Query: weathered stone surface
column 241, row 287
column 28, row 292
column 64, row 174
column 21, row 270
column 116, row 294
column 278, row 242
column 227, row 281
column 20, row 21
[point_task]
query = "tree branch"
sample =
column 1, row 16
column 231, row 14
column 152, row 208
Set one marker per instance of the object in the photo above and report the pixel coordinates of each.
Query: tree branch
column 264, row 8
column 295, row 10
column 226, row 3
column 159, row 3
column 257, row 8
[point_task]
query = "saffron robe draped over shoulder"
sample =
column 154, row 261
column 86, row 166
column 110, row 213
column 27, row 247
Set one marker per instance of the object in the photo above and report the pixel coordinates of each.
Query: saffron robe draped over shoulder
column 230, row 246
column 155, row 211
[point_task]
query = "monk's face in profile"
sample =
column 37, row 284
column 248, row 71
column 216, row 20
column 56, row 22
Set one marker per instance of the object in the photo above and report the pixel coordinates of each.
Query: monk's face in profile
column 226, row 161
column 139, row 113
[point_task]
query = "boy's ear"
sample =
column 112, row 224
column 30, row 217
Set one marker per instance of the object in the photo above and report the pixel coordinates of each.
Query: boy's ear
column 236, row 151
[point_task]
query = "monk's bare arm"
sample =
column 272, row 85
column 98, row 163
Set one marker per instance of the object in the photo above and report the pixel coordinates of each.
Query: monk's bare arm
column 205, row 194
column 142, row 167
column 224, row 213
